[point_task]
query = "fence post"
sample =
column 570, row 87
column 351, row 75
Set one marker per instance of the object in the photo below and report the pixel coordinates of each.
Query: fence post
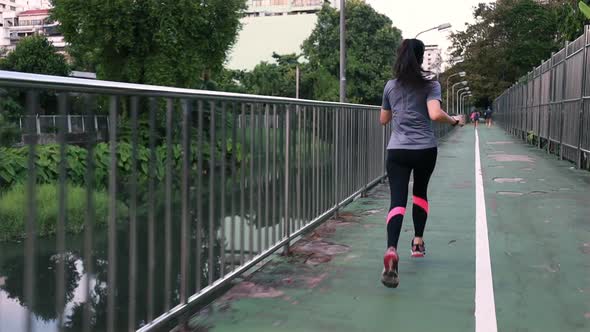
column 287, row 174
column 561, row 110
column 38, row 124
column 582, row 102
column 551, row 100
column 540, row 105
column 69, row 123
column 336, row 161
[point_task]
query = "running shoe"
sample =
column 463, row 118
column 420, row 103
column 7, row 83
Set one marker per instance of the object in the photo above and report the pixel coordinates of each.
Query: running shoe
column 418, row 250
column 390, row 276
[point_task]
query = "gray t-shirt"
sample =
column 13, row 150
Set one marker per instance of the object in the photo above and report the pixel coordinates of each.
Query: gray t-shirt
column 411, row 124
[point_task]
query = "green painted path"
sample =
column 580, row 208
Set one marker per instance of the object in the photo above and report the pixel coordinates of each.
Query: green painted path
column 538, row 212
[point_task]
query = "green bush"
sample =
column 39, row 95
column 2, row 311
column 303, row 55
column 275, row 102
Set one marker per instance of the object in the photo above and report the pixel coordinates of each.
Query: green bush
column 13, row 162
column 13, row 214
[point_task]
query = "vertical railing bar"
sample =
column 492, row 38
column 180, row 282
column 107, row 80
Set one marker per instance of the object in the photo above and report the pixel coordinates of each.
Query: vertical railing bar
column 294, row 168
column 281, row 174
column 133, row 218
column 352, row 164
column 32, row 106
column 274, row 173
column 62, row 104
column 199, row 198
column 259, row 176
column 234, row 182
column 112, row 222
column 89, row 218
column 297, row 147
column 212, row 143
column 168, row 208
column 313, row 162
column 326, row 157
column 335, row 158
column 151, row 210
column 304, row 173
column 329, row 159
column 318, row 152
column 287, row 189
column 321, row 159
column 184, row 226
column 223, row 188
column 267, row 176
column 251, row 164
column 242, row 183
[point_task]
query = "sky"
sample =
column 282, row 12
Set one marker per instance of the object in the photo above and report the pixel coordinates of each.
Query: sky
column 413, row 16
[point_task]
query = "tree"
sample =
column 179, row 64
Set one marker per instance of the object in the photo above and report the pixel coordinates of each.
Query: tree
column 570, row 20
column 273, row 79
column 35, row 54
column 371, row 43
column 167, row 42
column 506, row 41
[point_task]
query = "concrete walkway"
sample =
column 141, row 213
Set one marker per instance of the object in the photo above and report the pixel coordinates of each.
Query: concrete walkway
column 538, row 212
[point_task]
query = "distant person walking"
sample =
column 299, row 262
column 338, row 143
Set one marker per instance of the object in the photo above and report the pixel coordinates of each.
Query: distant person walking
column 416, row 102
column 475, row 118
column 488, row 117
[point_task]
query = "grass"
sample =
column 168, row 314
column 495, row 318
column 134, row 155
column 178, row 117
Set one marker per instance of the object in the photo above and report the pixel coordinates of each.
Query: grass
column 13, row 213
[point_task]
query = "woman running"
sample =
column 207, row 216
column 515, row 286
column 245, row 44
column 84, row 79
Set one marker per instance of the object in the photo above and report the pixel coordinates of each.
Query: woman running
column 416, row 102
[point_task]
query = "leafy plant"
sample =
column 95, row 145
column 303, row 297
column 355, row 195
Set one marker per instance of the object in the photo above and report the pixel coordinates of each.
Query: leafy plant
column 13, row 162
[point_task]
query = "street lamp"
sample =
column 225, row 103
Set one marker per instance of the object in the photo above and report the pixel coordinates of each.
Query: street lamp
column 342, row 51
column 462, row 105
column 453, row 93
column 461, row 74
column 456, row 104
column 441, row 27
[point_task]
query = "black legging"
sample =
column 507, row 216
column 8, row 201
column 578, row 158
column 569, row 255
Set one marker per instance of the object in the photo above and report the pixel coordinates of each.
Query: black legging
column 400, row 163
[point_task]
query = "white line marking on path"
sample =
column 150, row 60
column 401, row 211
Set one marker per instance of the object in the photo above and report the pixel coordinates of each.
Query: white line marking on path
column 485, row 308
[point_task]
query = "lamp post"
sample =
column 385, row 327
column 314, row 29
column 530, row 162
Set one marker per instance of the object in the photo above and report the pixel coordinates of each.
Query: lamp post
column 463, row 96
column 461, row 74
column 342, row 52
column 456, row 105
column 441, row 27
column 453, row 94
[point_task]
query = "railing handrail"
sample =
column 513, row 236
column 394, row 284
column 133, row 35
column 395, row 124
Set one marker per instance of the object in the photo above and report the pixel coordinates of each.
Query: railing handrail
column 36, row 81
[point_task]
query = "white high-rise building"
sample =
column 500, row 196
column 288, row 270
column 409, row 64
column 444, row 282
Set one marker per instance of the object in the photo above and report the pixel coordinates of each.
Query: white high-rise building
column 22, row 18
column 10, row 6
column 19, row 5
column 432, row 59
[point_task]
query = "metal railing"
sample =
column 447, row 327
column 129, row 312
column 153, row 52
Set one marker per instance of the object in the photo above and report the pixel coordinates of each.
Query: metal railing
column 549, row 106
column 214, row 183
column 47, row 124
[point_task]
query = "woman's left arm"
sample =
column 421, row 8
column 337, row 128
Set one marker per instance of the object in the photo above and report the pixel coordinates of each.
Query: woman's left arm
column 385, row 117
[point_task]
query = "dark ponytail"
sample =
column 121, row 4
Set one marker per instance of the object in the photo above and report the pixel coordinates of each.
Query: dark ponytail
column 408, row 66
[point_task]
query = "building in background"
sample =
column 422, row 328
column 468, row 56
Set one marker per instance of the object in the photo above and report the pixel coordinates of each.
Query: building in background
column 21, row 5
column 432, row 59
column 282, row 7
column 31, row 17
column 270, row 26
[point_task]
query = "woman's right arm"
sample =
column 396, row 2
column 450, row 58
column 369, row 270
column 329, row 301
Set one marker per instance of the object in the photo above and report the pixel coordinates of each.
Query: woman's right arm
column 437, row 114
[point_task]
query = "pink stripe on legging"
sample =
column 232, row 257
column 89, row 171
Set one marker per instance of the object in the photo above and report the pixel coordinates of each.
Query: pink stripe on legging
column 421, row 203
column 394, row 212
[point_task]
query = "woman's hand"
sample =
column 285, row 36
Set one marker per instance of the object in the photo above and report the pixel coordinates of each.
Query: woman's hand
column 459, row 119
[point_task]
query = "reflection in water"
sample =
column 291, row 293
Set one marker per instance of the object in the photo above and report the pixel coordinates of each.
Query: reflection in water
column 13, row 307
